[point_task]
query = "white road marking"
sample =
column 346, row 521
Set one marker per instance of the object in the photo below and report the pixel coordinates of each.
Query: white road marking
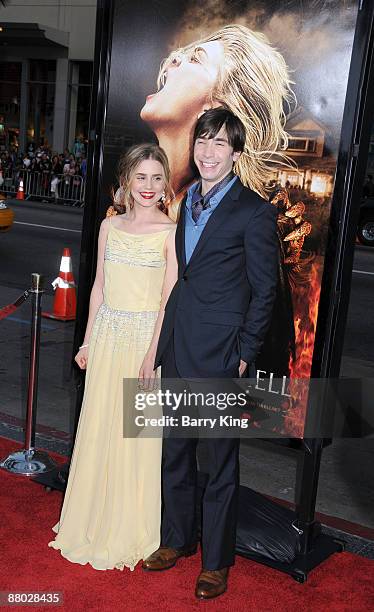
column 363, row 272
column 63, row 229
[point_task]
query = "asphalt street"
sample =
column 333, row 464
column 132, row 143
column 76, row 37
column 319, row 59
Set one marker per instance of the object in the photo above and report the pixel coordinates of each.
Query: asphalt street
column 35, row 244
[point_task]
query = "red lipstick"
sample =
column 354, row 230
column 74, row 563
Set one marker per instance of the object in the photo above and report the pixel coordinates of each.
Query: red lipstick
column 147, row 195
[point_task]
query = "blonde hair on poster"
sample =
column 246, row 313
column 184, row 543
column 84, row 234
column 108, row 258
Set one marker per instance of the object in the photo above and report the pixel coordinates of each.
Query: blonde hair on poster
column 253, row 83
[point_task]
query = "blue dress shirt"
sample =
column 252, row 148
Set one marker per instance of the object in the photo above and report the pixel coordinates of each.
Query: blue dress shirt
column 194, row 230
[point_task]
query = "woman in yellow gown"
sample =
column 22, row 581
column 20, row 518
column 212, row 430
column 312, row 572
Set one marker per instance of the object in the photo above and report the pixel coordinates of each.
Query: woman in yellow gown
column 111, row 512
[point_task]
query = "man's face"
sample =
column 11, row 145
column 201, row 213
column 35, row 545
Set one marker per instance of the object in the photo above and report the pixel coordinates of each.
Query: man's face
column 214, row 157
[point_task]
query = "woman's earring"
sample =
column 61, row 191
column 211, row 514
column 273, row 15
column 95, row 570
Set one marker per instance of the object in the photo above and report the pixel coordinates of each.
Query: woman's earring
column 163, row 197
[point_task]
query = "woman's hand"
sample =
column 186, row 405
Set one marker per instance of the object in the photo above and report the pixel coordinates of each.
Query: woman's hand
column 82, row 357
column 147, row 373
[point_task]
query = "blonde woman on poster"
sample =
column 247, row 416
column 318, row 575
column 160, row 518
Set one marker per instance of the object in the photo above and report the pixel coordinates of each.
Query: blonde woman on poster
column 233, row 67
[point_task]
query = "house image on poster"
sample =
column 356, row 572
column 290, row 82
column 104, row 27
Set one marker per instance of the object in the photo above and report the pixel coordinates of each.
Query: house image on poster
column 314, row 165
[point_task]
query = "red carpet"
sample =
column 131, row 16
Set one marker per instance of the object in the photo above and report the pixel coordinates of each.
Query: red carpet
column 343, row 583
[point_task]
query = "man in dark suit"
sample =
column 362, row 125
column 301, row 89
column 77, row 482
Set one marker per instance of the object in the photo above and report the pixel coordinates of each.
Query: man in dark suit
column 214, row 324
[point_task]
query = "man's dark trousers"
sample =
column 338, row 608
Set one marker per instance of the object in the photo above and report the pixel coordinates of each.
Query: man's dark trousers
column 219, row 507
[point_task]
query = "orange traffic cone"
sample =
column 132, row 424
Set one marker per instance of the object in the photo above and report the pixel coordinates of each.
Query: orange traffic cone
column 65, row 302
column 20, row 193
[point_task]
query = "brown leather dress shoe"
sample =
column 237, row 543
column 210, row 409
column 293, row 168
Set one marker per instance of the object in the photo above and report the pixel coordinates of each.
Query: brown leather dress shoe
column 211, row 583
column 164, row 558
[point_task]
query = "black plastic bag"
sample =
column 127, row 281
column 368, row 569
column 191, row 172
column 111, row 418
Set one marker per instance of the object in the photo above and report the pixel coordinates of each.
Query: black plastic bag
column 265, row 528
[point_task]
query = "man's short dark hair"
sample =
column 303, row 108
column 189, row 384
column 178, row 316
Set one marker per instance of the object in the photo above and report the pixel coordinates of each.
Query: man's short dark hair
column 210, row 123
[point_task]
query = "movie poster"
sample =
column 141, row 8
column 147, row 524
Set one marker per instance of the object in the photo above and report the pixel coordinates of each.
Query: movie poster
column 282, row 67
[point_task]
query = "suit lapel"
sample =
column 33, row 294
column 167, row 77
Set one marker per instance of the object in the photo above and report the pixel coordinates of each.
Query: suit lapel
column 180, row 233
column 218, row 216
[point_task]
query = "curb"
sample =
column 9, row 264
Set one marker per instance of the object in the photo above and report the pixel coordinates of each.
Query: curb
column 364, row 247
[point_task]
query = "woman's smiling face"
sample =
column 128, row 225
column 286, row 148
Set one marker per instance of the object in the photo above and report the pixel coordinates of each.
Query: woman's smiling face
column 189, row 79
column 147, row 183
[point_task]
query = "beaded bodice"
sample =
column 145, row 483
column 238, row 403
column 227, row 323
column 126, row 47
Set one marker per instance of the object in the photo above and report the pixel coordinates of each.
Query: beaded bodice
column 134, row 269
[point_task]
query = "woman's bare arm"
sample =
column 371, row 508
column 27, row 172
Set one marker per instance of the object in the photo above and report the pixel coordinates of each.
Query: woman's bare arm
column 97, row 296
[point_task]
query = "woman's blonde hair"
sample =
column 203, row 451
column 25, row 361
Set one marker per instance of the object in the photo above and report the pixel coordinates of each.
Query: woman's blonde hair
column 127, row 166
column 255, row 85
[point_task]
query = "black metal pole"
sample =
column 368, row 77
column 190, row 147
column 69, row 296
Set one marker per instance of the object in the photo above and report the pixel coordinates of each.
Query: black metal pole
column 307, row 476
column 37, row 290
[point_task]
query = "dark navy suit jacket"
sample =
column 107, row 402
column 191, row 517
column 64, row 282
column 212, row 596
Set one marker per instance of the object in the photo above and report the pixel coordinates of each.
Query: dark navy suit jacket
column 220, row 307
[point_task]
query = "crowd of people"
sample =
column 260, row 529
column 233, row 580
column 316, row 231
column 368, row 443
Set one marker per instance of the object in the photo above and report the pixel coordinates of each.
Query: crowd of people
column 41, row 158
column 53, row 167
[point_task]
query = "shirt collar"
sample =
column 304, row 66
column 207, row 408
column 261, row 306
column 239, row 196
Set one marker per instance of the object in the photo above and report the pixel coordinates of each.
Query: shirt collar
column 214, row 190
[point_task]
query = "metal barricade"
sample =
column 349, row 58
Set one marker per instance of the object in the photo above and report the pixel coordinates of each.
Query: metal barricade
column 45, row 186
column 11, row 179
column 7, row 184
column 69, row 188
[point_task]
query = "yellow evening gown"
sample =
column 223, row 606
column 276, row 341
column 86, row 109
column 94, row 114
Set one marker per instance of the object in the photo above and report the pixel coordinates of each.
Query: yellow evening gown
column 111, row 512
